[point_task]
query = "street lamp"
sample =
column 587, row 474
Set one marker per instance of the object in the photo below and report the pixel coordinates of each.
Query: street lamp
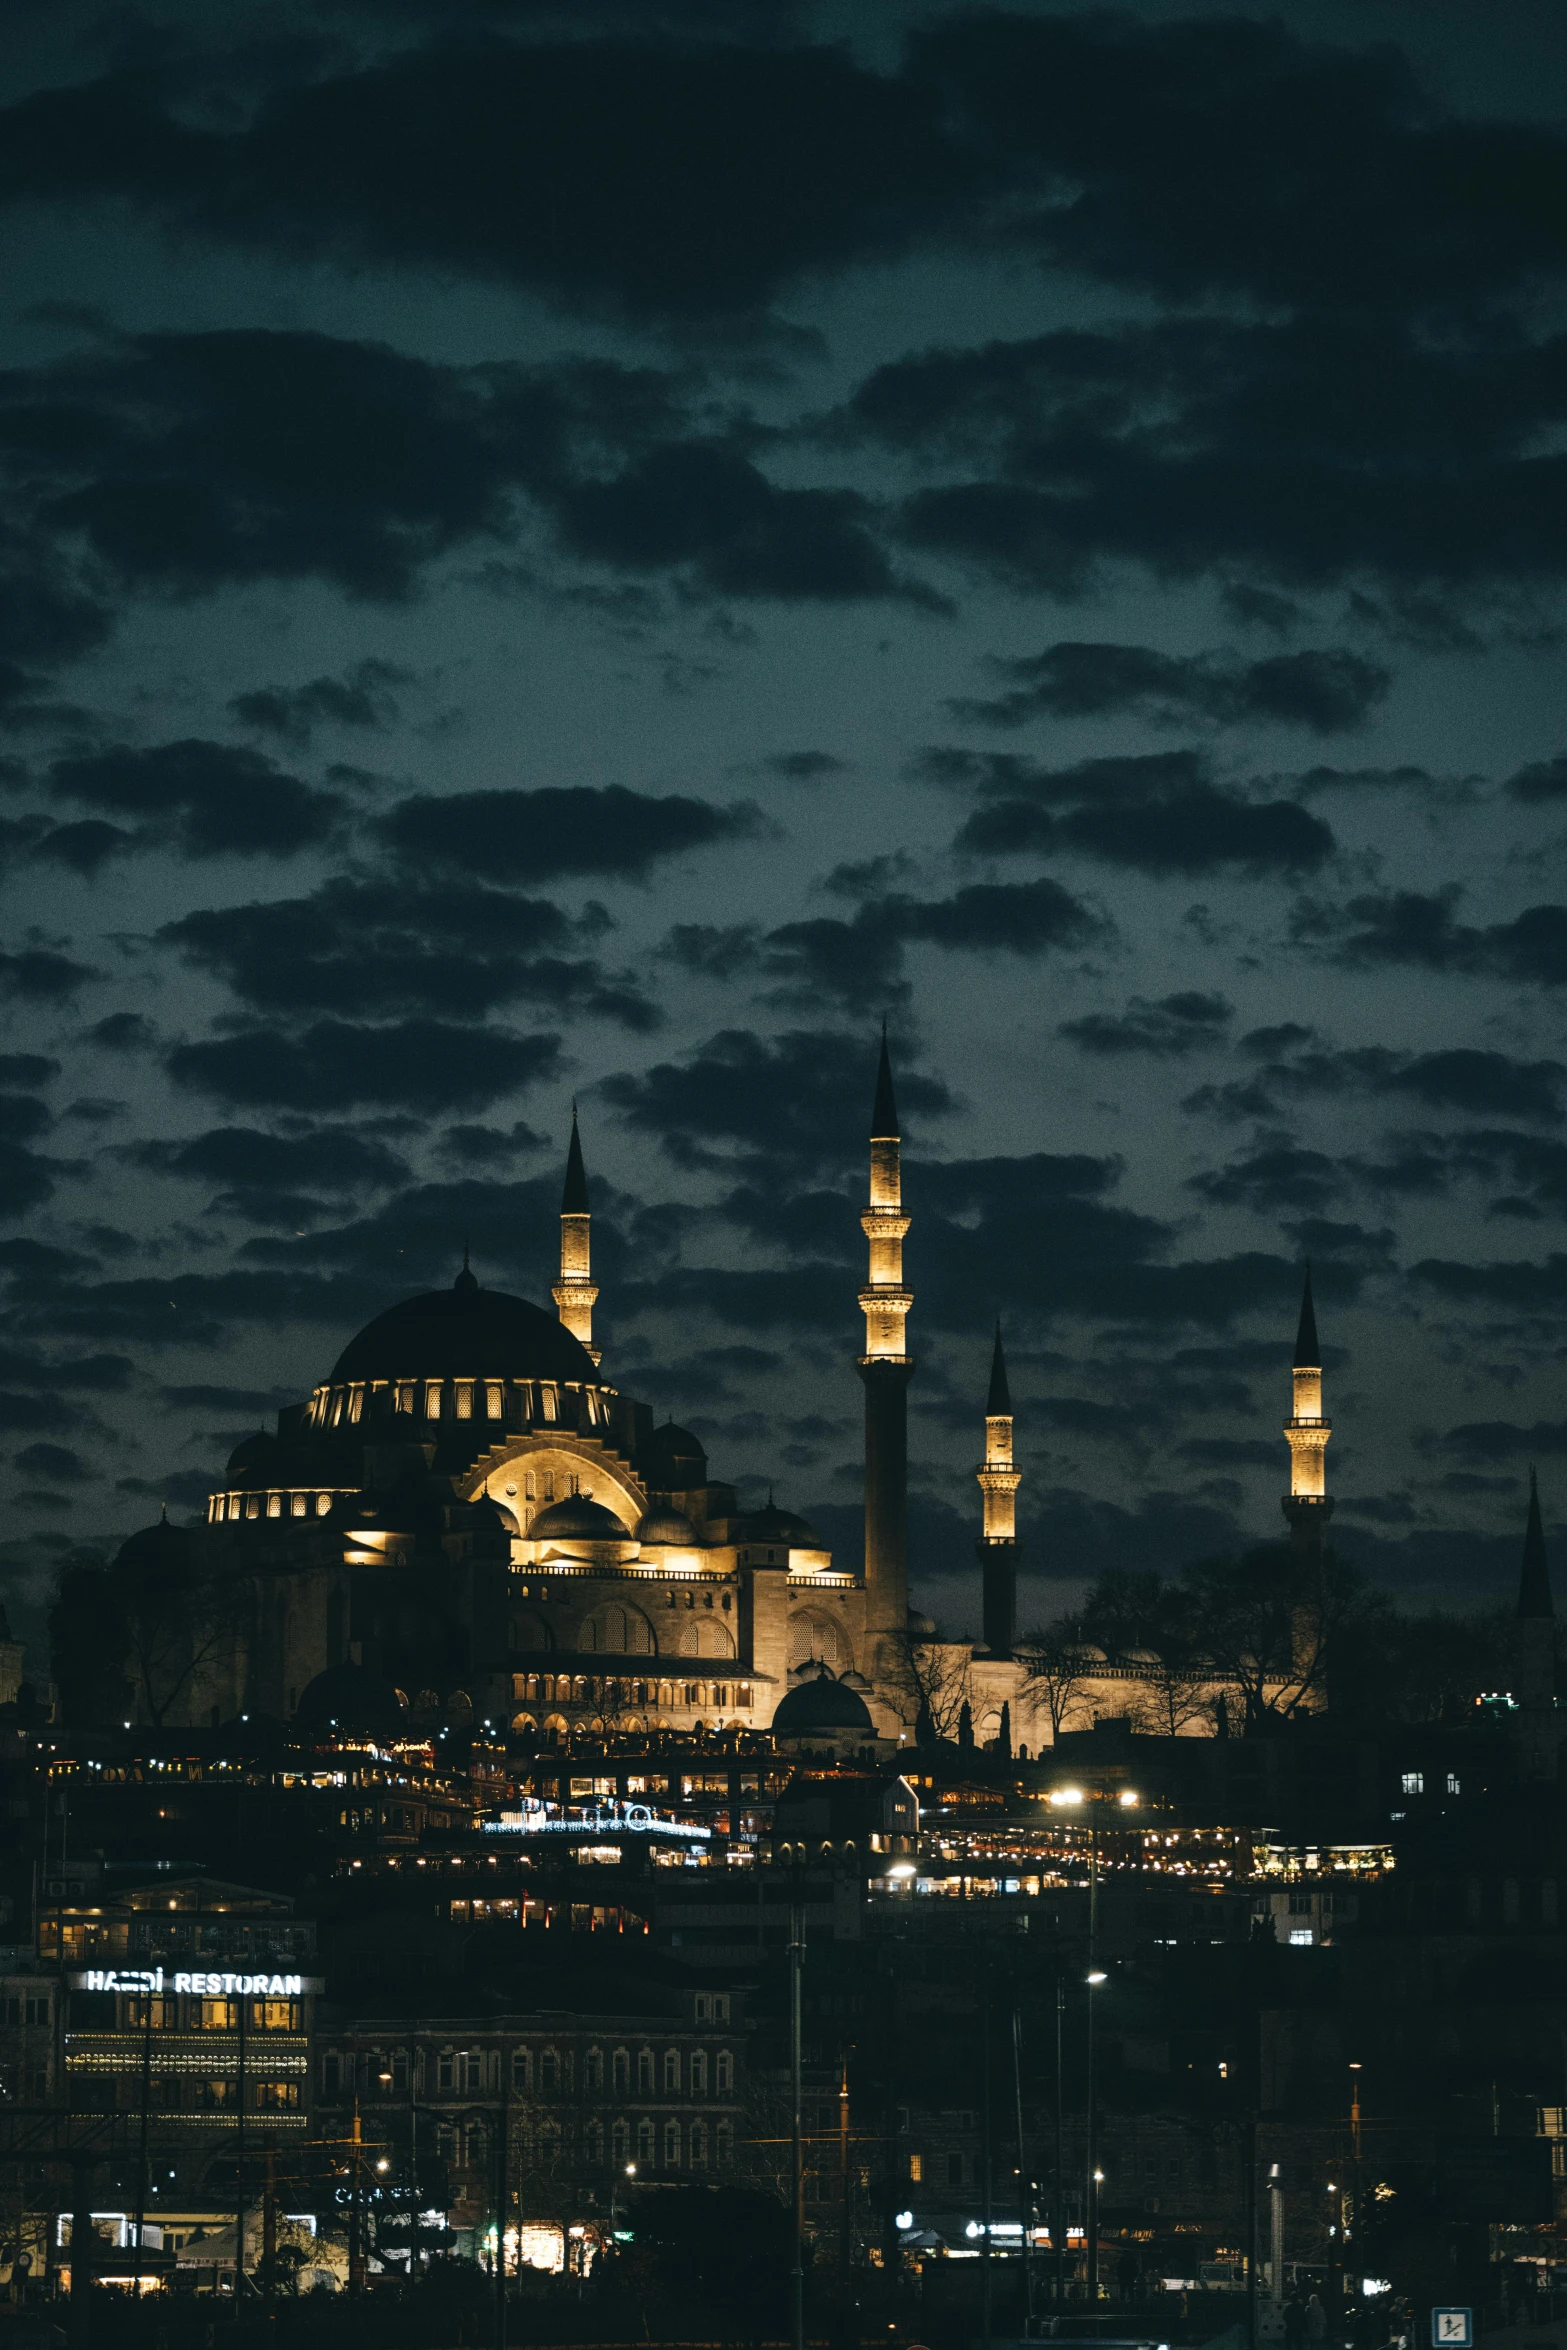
column 1094, row 1979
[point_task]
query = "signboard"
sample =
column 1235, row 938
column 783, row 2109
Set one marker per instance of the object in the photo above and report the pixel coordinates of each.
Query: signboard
column 1506, row 2181
column 1452, row 2329
column 154, row 1981
column 628, row 1819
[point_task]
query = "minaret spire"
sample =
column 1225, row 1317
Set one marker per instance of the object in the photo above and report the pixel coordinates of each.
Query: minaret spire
column 886, row 1368
column 998, row 1482
column 1534, row 1723
column 1306, row 1505
column 576, row 1291
column 1534, row 1583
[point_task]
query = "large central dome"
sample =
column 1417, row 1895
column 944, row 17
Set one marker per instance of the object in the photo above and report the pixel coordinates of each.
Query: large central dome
column 465, row 1332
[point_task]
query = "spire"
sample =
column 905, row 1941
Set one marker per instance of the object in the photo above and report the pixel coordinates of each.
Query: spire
column 1534, row 1583
column 574, row 1197
column 1308, row 1354
column 575, row 1292
column 999, row 1401
column 884, row 1110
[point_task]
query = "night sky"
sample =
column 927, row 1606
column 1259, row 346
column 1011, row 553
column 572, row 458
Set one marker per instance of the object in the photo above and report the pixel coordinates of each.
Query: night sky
column 571, row 552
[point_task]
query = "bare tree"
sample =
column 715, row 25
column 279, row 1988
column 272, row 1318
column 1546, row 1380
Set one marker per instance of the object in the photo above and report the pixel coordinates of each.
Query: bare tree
column 928, row 1678
column 1056, row 1671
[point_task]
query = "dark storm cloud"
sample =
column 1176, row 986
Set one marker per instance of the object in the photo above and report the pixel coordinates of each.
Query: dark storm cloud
column 1173, row 1026
column 1311, row 451
column 826, row 958
column 199, row 1309
column 359, row 699
column 1410, row 927
column 1328, row 691
column 804, row 766
column 1533, row 1291
column 50, row 1460
column 1500, row 1440
column 664, row 178
column 678, row 177
column 1157, row 813
column 1274, row 1173
column 40, row 975
column 420, row 1065
column 202, row 799
column 1545, row 780
column 122, row 1032
column 1467, row 1079
column 385, row 948
column 543, row 834
column 25, row 1070
column 722, row 1104
column 329, row 1158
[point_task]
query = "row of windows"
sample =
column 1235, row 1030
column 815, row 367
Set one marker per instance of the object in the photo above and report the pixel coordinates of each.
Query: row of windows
column 476, row 2072
column 277, row 1505
column 26, row 2008
column 671, row 2145
column 471, row 1399
column 181, row 2092
column 596, row 1689
column 210, row 2015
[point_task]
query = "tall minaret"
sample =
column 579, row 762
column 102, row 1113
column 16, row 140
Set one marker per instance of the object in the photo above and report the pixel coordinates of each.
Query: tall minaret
column 1531, row 1657
column 998, row 1482
column 886, row 1368
column 576, row 1290
column 1306, row 1505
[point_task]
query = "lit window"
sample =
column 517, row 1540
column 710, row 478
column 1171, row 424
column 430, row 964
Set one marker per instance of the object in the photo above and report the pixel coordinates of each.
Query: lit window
column 323, row 1504
column 252, row 1505
column 1453, row 1784
column 1301, row 1935
column 465, row 1399
column 432, row 1400
column 492, row 1403
column 275, row 2094
column 274, row 1505
column 298, row 1504
column 1414, row 1782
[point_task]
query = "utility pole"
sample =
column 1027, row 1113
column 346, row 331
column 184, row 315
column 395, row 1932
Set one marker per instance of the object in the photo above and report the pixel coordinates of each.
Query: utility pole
column 987, row 2207
column 796, row 2112
column 141, row 2152
column 846, row 2240
column 239, row 2169
column 1025, row 2199
column 1058, row 2215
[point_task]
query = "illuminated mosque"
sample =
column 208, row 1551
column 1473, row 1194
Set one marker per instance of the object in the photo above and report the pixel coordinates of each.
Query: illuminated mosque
column 468, row 1510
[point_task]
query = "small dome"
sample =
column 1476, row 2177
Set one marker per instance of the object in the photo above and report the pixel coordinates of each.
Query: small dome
column 671, row 1460
column 252, row 1456
column 776, row 1525
column 577, row 1519
column 465, row 1332
column 352, row 1698
column 161, row 1545
column 666, row 1526
column 819, row 1705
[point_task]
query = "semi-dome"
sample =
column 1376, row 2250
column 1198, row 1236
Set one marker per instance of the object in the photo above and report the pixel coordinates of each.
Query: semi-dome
column 577, row 1519
column 822, row 1705
column 252, row 1453
column 671, row 1460
column 350, row 1698
column 465, row 1332
column 664, row 1525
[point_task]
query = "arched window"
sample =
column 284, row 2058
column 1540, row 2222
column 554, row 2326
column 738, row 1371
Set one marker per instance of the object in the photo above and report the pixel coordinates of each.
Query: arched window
column 671, row 2145
column 593, row 2072
column 672, row 2069
column 698, row 2071
column 622, row 2071
column 724, row 2072
column 620, row 2142
column 549, row 2073
column 593, row 2141
column 701, row 1638
column 617, row 1629
column 645, row 2068
column 725, row 2136
column 445, row 2142
column 699, row 2145
column 815, row 1638
column 476, row 2148
column 522, row 2068
column 645, row 2144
